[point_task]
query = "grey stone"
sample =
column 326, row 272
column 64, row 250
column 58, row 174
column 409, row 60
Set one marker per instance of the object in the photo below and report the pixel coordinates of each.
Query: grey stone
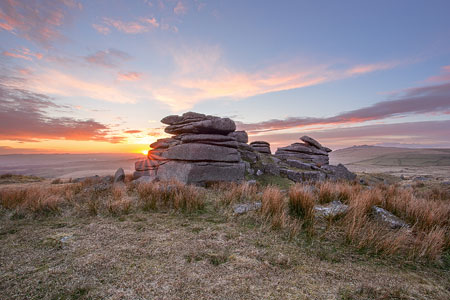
column 261, row 149
column 259, row 173
column 338, row 172
column 311, row 141
column 164, row 143
column 318, row 160
column 259, row 143
column 146, row 164
column 137, row 174
column 240, row 136
column 201, row 172
column 201, row 152
column 303, row 176
column 300, row 165
column 251, row 182
column 243, row 208
column 387, row 218
column 331, row 210
column 302, row 148
column 119, row 176
column 193, row 138
column 198, row 123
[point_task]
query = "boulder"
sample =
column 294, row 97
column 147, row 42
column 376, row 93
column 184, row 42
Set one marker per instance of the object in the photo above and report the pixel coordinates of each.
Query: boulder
column 261, row 146
column 240, row 136
column 164, row 143
column 198, row 123
column 201, row 173
column 311, row 141
column 331, row 210
column 338, row 172
column 119, row 176
column 201, row 152
column 387, row 218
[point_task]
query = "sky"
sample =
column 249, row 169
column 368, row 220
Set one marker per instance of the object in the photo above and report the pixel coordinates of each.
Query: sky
column 98, row 76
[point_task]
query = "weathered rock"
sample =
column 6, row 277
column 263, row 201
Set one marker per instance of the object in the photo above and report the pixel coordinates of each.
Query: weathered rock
column 302, row 148
column 119, row 176
column 301, row 165
column 338, row 172
column 261, row 146
column 138, row 174
column 201, row 172
column 318, row 160
column 146, row 164
column 243, row 208
column 311, row 141
column 198, row 123
column 201, row 152
column 164, row 143
column 240, row 136
column 387, row 218
column 331, row 210
column 302, row 176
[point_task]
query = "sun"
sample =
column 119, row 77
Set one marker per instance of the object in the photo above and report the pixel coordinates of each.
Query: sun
column 145, row 152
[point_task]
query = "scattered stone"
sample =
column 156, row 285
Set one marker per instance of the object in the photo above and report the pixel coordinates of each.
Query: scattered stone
column 251, row 182
column 387, row 218
column 259, row 173
column 243, row 208
column 119, row 176
column 331, row 210
column 145, row 179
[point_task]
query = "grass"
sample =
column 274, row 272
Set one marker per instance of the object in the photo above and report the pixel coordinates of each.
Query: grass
column 168, row 240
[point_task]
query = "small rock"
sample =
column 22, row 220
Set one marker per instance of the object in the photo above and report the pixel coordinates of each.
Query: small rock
column 243, row 208
column 145, row 179
column 251, row 182
column 119, row 176
column 388, row 218
column 332, row 210
column 259, row 173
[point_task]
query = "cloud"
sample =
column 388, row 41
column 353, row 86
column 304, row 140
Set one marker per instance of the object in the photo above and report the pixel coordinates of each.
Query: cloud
column 101, row 29
column 201, row 73
column 108, row 58
column 63, row 84
column 180, row 8
column 444, row 76
column 141, row 25
column 421, row 100
column 129, row 76
column 23, row 53
column 24, row 116
column 132, row 131
column 427, row 134
column 37, row 21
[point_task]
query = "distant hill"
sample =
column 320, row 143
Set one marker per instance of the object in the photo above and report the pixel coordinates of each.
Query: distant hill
column 391, row 156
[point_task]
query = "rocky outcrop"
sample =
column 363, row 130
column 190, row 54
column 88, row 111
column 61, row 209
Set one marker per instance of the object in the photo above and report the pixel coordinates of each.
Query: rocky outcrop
column 261, row 146
column 203, row 149
column 387, row 218
column 311, row 151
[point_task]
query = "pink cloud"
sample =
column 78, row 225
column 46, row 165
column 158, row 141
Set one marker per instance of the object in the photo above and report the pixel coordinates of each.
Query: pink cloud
column 37, row 21
column 444, row 76
column 23, row 53
column 362, row 69
column 180, row 8
column 101, row 29
column 422, row 100
column 129, row 76
column 132, row 131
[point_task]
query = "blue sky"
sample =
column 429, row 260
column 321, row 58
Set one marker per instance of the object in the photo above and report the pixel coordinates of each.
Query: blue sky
column 99, row 75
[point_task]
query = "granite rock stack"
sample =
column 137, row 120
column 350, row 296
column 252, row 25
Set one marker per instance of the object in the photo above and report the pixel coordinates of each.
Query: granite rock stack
column 202, row 150
column 310, row 151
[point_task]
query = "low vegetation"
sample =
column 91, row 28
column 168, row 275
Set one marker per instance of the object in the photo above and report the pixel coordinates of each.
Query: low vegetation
column 286, row 213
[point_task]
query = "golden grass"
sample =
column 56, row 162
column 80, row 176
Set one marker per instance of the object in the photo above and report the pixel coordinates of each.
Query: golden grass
column 301, row 202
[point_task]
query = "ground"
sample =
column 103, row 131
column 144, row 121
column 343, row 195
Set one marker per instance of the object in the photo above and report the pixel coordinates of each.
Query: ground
column 209, row 254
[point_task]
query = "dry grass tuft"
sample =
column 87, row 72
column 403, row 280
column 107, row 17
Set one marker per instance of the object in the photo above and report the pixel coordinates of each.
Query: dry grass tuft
column 170, row 195
column 301, row 202
column 274, row 207
column 233, row 193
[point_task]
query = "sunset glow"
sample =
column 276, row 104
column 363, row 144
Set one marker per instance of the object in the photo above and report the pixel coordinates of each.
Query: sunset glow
column 98, row 76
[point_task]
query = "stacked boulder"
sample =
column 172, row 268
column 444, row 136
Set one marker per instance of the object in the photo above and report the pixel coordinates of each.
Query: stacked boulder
column 246, row 151
column 310, row 152
column 203, row 149
column 261, row 147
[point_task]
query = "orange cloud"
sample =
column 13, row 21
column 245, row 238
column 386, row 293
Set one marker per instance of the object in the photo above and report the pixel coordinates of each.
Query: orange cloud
column 362, row 69
column 101, row 29
column 133, row 27
column 129, row 76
